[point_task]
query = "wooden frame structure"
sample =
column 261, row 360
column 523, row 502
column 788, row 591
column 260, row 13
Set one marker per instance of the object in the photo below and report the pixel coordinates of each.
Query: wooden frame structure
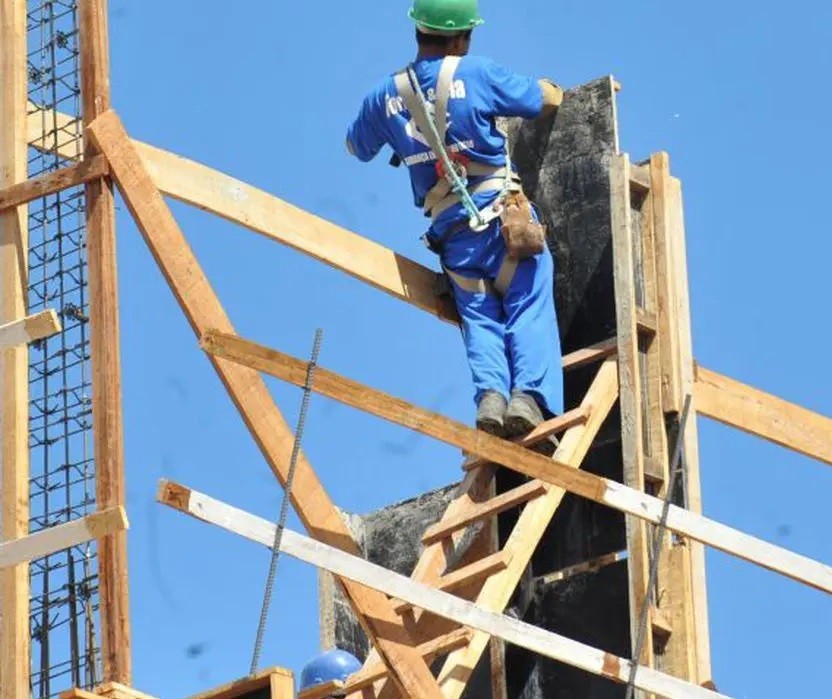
column 648, row 367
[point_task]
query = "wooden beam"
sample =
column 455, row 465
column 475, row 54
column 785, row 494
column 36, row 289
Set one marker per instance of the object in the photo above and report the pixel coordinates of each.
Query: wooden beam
column 210, row 190
column 672, row 282
column 440, row 603
column 108, row 430
column 63, row 536
column 591, row 566
column 505, row 501
column 15, row 644
column 251, row 396
column 429, row 650
column 503, row 452
column 464, row 576
column 764, row 415
column 29, row 329
column 250, row 684
column 556, row 425
column 324, row 691
column 53, row 182
column 116, row 690
column 590, row 355
column 630, row 394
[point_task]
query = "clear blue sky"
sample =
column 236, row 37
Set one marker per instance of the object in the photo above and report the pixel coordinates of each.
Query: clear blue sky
column 264, row 91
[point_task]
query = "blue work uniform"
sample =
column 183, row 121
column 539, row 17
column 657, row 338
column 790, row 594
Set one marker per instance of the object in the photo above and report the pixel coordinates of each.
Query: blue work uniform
column 511, row 335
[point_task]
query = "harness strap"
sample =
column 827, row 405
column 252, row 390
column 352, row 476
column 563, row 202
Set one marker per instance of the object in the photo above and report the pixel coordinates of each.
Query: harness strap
column 478, row 285
column 440, row 200
column 441, row 196
column 443, row 93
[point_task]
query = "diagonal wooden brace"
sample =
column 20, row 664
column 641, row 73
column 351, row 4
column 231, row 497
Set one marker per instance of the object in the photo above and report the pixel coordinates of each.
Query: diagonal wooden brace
column 249, row 393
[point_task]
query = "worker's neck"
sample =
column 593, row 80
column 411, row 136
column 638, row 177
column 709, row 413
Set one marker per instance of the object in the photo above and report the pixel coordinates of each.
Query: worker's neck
column 432, row 52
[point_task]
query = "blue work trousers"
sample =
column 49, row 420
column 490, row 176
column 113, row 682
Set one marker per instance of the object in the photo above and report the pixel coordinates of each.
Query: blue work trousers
column 508, row 316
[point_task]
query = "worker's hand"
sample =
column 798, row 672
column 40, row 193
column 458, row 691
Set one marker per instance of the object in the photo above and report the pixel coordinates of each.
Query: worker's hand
column 552, row 95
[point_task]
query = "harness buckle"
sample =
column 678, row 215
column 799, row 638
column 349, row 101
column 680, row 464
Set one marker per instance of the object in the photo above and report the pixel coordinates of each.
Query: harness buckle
column 460, row 164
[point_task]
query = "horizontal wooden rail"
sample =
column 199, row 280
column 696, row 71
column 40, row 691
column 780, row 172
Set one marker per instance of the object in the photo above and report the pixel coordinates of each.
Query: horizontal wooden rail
column 762, row 414
column 53, row 182
column 440, row 603
column 505, row 453
column 30, row 329
column 62, row 536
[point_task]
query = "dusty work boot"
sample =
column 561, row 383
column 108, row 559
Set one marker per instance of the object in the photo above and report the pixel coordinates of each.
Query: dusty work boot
column 522, row 415
column 490, row 412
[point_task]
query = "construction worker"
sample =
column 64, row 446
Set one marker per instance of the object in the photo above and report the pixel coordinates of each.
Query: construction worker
column 438, row 115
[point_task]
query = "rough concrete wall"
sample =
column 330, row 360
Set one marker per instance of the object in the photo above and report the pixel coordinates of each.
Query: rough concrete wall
column 565, row 167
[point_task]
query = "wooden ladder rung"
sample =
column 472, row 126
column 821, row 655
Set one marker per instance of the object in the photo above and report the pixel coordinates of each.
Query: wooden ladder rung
column 428, row 650
column 483, row 568
column 505, row 501
column 556, row 425
column 589, row 355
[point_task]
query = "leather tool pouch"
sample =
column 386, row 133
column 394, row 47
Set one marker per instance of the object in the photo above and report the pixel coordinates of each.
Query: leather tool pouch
column 523, row 235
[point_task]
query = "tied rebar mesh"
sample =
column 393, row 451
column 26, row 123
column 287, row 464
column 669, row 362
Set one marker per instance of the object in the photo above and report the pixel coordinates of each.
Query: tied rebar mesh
column 64, row 586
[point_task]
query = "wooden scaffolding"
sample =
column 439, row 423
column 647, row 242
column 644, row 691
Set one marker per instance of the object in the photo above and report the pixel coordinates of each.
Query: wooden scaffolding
column 445, row 610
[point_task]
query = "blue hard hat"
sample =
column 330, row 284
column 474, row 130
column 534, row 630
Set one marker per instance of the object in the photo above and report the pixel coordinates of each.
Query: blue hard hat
column 335, row 664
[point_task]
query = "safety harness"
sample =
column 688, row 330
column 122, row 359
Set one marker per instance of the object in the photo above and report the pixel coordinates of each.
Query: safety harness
column 453, row 170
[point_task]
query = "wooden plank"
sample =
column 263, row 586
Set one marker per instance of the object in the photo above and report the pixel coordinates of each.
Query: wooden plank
column 323, row 691
column 29, row 329
column 282, row 685
column 210, row 190
column 116, row 690
column 590, row 355
column 53, row 182
column 246, row 685
column 666, row 283
column 48, row 541
column 630, row 395
column 443, row 604
column 505, row 453
column 672, row 605
column 496, row 646
column 693, row 488
column 591, row 566
column 461, row 577
column 78, row 694
column 252, row 398
column 40, row 126
column 762, row 414
column 429, row 650
column 505, row 501
column 108, row 429
column 15, row 645
column 556, row 425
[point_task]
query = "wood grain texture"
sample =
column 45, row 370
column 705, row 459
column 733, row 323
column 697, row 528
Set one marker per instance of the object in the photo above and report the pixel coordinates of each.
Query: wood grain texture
column 630, row 393
column 53, row 182
column 107, row 418
column 62, row 536
column 553, row 471
column 249, row 393
column 443, row 604
column 248, row 685
column 14, row 365
column 762, row 414
column 29, row 329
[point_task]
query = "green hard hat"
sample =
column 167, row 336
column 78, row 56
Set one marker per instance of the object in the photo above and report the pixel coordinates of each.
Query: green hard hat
column 446, row 15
